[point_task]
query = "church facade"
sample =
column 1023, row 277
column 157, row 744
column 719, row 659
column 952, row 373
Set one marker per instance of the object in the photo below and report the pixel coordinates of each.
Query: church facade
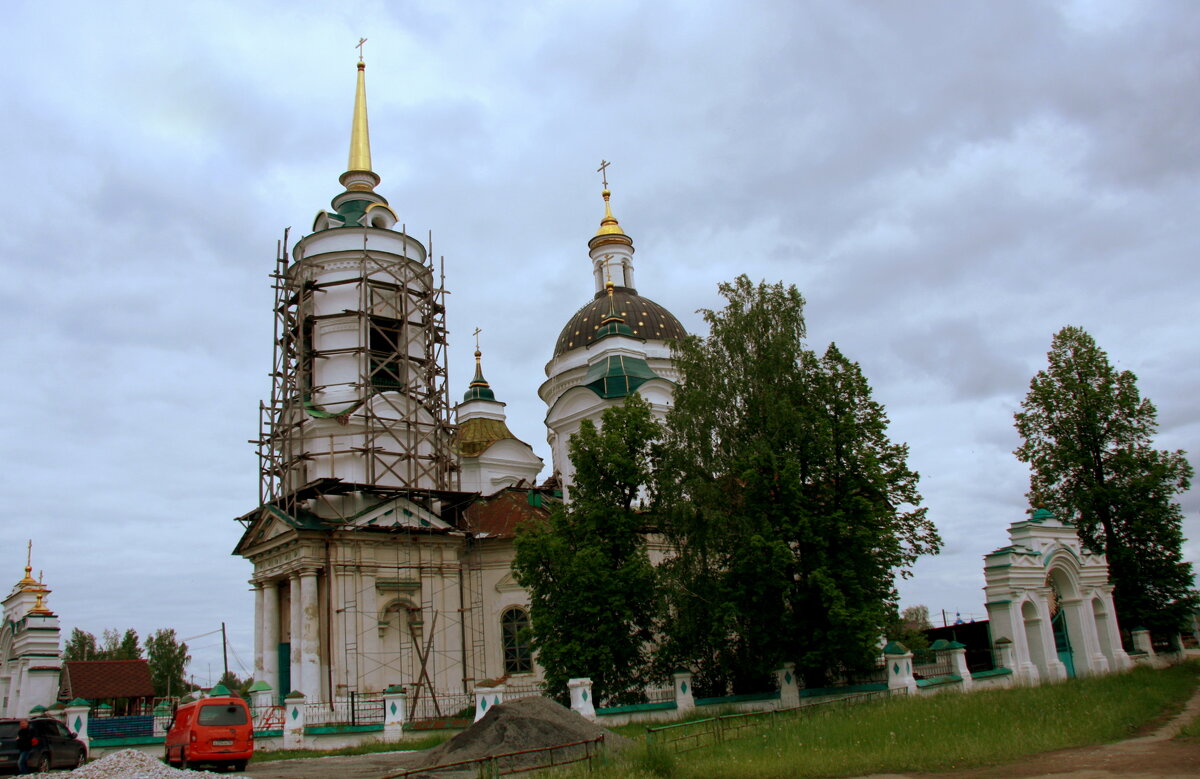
column 30, row 660
column 382, row 541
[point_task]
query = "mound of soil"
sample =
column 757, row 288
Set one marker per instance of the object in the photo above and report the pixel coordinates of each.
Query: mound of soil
column 526, row 723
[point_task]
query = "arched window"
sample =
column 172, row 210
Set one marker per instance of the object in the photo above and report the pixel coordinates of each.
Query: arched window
column 514, row 637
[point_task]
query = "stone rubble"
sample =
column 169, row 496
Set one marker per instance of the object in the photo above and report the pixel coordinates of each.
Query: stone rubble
column 132, row 764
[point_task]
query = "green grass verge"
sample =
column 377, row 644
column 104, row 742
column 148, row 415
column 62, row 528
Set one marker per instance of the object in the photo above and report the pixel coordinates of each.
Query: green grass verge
column 369, row 748
column 934, row 733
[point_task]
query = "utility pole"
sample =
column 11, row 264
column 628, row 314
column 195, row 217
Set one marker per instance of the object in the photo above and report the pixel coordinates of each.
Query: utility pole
column 225, row 651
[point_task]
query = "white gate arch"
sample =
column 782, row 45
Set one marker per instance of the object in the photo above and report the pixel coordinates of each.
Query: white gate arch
column 1052, row 599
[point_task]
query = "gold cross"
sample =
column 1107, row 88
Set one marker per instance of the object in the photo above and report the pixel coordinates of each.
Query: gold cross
column 476, row 334
column 604, row 173
column 361, row 41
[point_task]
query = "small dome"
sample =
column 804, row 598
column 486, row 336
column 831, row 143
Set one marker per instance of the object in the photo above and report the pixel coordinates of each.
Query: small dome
column 645, row 318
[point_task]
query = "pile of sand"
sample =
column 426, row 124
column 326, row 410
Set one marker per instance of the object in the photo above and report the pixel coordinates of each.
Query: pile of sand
column 526, row 723
column 132, row 764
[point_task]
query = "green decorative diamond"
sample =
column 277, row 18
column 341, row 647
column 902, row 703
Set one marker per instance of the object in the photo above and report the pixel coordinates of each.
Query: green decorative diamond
column 295, row 712
column 787, row 677
column 683, row 687
column 895, row 668
column 393, row 708
column 78, row 724
column 585, row 696
column 483, row 704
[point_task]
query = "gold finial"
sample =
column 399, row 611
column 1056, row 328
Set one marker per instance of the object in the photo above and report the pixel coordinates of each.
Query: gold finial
column 360, row 136
column 28, row 583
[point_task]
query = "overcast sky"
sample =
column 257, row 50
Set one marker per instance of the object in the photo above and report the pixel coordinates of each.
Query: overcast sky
column 947, row 183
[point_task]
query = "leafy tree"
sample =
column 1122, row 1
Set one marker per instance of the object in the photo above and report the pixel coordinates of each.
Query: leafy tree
column 80, row 646
column 1088, row 440
column 235, row 684
column 168, row 662
column 788, row 509
column 590, row 583
column 916, row 618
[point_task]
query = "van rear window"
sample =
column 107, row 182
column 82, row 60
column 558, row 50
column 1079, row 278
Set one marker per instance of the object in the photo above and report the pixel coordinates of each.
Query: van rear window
column 222, row 715
column 9, row 729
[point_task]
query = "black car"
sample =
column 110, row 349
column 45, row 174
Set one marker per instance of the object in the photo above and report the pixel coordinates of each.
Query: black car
column 56, row 746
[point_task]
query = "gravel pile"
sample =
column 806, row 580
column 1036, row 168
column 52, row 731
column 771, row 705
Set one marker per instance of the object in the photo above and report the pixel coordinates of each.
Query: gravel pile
column 526, row 723
column 132, row 764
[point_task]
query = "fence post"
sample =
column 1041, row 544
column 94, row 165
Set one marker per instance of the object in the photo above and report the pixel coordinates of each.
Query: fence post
column 293, row 720
column 899, row 668
column 789, row 686
column 262, row 694
column 956, row 655
column 487, row 697
column 161, row 713
column 395, row 711
column 682, row 682
column 77, row 720
column 581, row 697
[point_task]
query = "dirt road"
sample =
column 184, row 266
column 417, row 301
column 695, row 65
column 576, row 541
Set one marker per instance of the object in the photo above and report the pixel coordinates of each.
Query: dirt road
column 1154, row 756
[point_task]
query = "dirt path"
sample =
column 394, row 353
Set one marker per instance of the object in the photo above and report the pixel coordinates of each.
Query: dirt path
column 1154, row 755
column 350, row 767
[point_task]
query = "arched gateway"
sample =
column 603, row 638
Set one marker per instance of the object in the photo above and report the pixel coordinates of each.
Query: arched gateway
column 1050, row 600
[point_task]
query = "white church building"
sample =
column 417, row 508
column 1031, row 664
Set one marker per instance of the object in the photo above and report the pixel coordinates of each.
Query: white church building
column 382, row 541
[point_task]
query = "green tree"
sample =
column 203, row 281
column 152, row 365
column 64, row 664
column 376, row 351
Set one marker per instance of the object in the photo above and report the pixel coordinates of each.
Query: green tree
column 80, row 646
column 168, row 660
column 591, row 586
column 788, row 509
column 1087, row 435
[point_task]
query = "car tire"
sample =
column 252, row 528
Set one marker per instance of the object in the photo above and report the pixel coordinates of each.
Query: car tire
column 238, row 766
column 42, row 765
column 80, row 758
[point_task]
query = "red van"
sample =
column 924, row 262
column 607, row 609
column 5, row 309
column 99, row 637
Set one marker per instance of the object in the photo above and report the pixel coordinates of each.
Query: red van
column 213, row 731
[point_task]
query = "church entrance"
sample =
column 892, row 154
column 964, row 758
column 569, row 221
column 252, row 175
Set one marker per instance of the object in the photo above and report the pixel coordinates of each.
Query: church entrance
column 1062, row 643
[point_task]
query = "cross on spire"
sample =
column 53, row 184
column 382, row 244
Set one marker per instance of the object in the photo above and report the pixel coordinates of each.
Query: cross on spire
column 361, row 41
column 603, row 173
column 476, row 334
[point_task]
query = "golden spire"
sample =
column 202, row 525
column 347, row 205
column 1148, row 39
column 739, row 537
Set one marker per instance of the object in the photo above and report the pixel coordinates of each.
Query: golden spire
column 28, row 583
column 358, row 175
column 610, row 230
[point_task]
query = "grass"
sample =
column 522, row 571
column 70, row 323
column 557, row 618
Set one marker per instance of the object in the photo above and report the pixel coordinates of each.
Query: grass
column 935, row 733
column 369, row 748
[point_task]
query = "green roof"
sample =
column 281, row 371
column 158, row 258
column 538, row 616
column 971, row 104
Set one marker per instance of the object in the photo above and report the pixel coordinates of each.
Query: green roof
column 618, row 375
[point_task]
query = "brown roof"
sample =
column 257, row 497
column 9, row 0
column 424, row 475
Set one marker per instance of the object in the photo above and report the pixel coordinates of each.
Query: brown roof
column 95, row 680
column 499, row 515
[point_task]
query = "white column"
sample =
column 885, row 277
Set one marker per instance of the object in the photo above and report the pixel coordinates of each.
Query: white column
column 486, row 698
column 310, row 644
column 395, row 712
column 581, row 697
column 681, row 680
column 294, row 720
column 366, row 620
column 899, row 669
column 268, row 628
column 259, row 598
column 297, row 619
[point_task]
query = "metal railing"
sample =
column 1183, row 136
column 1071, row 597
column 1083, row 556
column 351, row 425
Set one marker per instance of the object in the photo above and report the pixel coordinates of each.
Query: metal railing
column 346, row 711
column 659, row 694
column 517, row 762
column 686, row 736
column 514, row 691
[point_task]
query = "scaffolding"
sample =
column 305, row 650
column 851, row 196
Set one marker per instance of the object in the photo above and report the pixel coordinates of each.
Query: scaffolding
column 392, row 421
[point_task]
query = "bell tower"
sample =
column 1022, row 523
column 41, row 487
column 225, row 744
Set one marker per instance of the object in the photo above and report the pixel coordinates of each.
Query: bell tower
column 359, row 394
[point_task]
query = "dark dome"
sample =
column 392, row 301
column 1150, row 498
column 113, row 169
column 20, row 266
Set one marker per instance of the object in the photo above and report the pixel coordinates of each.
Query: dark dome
column 646, row 318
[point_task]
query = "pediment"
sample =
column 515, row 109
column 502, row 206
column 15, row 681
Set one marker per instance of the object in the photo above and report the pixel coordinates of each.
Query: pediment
column 399, row 513
column 508, row 583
